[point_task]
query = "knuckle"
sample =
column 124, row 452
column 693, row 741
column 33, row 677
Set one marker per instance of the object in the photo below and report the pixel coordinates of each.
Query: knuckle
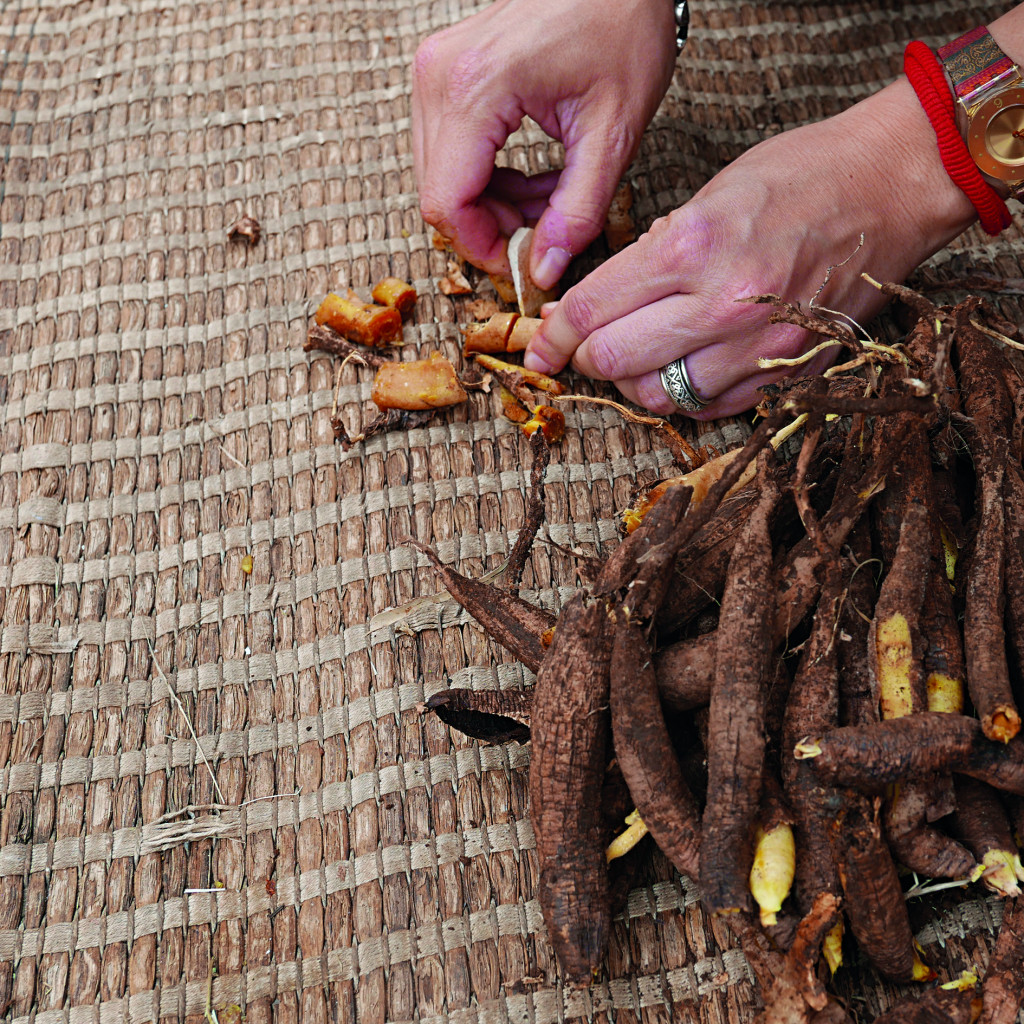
column 431, row 208
column 687, row 237
column 578, row 311
column 605, row 357
column 464, row 76
column 649, row 393
column 424, row 61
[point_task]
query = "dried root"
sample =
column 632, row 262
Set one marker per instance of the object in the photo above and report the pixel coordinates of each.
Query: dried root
column 856, row 559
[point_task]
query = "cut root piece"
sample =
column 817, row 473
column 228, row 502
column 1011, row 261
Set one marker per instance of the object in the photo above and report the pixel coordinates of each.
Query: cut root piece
column 360, row 322
column 522, row 334
column 548, row 420
column 396, row 293
column 417, row 385
column 540, row 381
column 491, row 336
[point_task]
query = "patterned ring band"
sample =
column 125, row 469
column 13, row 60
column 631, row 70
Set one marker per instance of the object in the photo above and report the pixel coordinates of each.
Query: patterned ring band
column 676, row 382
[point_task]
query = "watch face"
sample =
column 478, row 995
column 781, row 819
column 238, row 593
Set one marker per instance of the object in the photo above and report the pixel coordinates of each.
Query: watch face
column 995, row 135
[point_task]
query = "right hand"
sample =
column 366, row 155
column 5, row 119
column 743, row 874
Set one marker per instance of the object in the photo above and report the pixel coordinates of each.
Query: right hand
column 590, row 72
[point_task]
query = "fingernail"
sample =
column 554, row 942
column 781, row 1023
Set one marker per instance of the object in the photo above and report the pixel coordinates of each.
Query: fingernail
column 552, row 266
column 535, row 361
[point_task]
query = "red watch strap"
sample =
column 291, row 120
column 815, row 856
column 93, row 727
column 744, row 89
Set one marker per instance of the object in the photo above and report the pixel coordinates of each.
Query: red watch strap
column 974, row 63
column 929, row 83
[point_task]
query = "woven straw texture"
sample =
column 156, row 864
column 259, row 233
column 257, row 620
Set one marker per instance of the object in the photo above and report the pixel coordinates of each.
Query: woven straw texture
column 218, row 791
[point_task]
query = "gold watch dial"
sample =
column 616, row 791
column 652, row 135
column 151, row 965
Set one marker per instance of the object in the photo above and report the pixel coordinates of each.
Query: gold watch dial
column 995, row 135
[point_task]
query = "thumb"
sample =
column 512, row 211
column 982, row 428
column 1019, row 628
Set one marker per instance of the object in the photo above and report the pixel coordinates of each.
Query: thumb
column 578, row 206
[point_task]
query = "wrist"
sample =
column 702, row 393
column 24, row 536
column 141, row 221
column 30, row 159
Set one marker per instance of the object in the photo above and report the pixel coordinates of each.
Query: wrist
column 929, row 209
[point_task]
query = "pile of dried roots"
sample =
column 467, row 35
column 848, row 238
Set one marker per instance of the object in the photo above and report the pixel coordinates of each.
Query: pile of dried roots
column 797, row 678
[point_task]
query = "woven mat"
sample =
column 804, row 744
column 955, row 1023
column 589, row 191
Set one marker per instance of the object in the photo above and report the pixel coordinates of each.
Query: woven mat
column 219, row 795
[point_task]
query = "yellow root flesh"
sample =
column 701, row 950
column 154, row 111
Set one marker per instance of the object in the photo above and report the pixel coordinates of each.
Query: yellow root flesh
column 771, row 874
column 832, row 948
column 625, row 841
column 945, row 694
column 895, row 659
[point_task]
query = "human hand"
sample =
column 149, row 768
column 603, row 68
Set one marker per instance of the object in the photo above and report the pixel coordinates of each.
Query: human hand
column 590, row 72
column 773, row 221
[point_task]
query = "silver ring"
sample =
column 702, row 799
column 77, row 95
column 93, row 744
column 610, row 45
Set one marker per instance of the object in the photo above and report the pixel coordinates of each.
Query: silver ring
column 676, row 382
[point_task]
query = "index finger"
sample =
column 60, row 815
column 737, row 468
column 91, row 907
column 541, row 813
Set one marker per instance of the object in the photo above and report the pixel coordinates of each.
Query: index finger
column 455, row 164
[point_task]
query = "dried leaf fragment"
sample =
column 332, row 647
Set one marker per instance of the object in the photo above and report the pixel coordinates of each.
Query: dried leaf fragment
column 420, row 384
column 619, row 226
column 247, row 228
column 495, row 716
column 455, row 282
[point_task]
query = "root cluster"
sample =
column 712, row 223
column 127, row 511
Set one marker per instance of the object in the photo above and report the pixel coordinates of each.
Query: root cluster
column 806, row 675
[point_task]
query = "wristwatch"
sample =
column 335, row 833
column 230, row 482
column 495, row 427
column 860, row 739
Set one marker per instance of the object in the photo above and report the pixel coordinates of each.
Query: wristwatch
column 989, row 89
column 682, row 15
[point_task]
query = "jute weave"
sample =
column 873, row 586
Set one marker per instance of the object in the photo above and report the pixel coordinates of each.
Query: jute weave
column 218, row 792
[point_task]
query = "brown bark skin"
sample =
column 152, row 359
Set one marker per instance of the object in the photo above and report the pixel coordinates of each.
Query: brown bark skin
column 644, row 751
column 1013, row 495
column 988, row 673
column 858, row 695
column 874, row 901
column 930, row 853
column 980, row 821
column 913, row 843
column 570, row 753
column 494, row 716
column 1003, row 987
column 685, row 671
column 937, row 1006
column 813, row 707
column 736, row 731
column 902, row 592
column 514, row 623
column 870, row 757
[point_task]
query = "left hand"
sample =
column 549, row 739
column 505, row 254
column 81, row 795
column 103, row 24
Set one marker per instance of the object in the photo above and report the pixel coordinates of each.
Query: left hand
column 774, row 220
